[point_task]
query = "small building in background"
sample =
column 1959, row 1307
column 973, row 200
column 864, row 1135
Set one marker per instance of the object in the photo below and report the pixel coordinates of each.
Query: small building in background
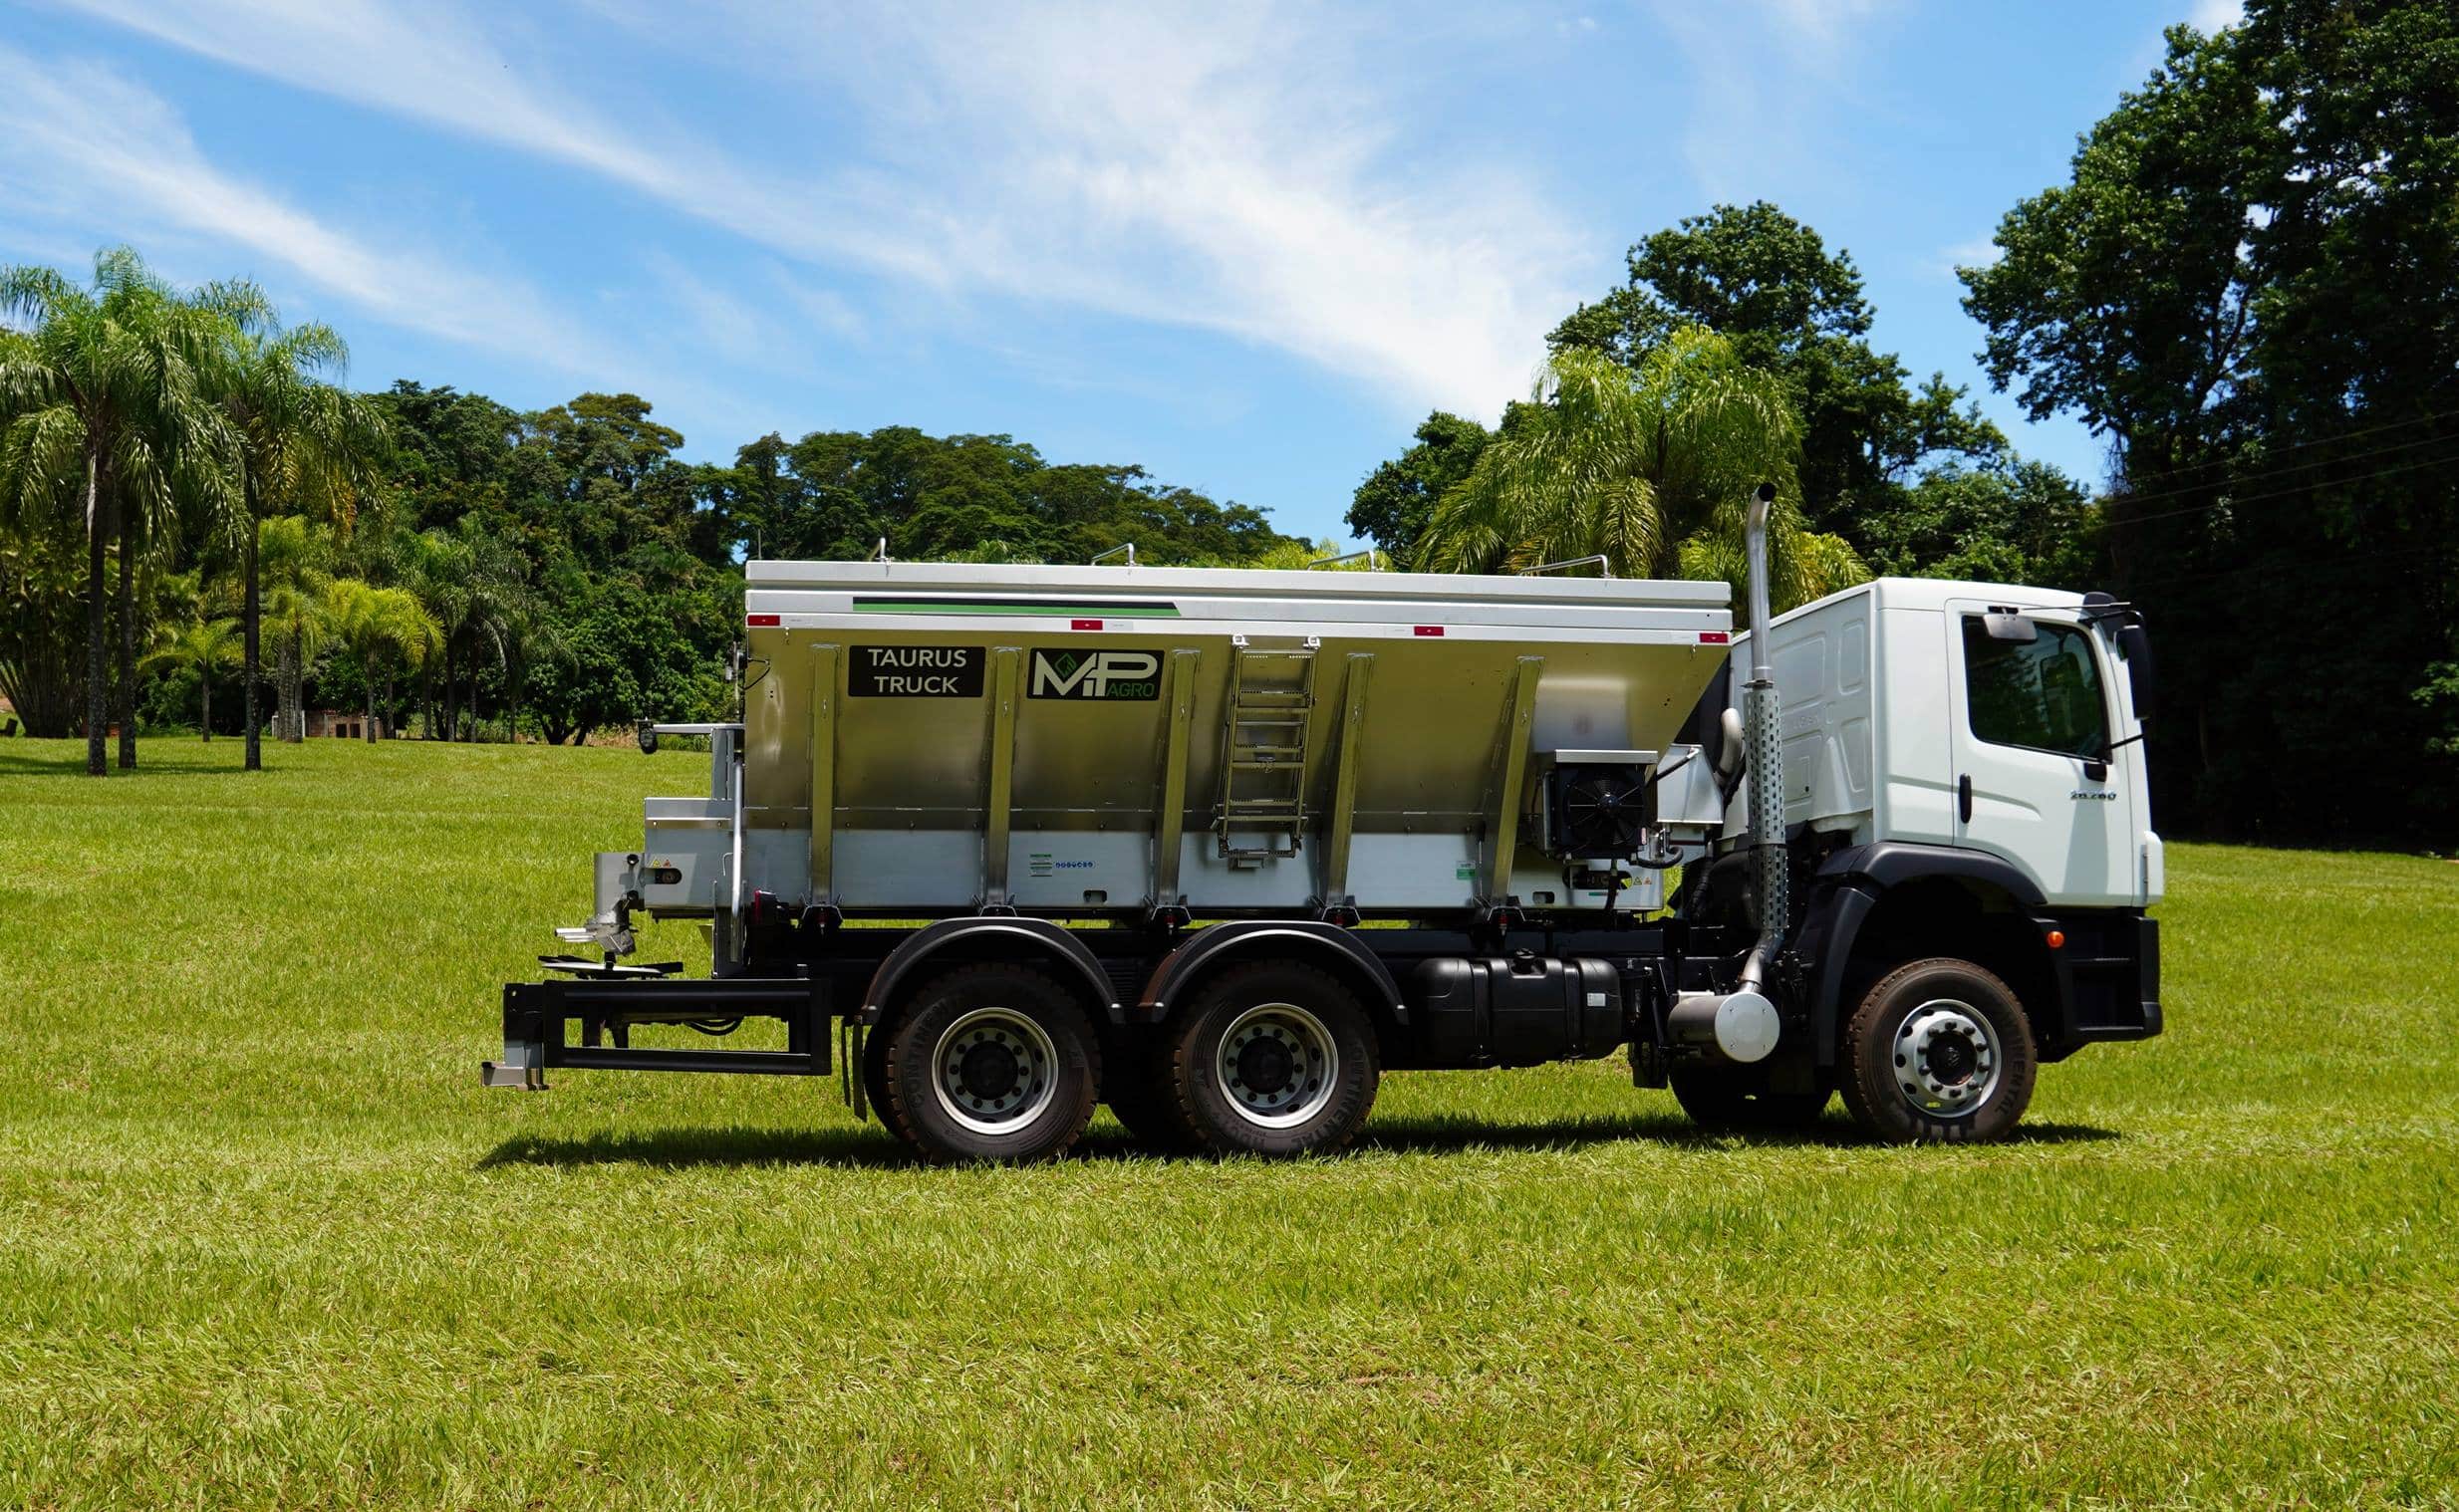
column 343, row 724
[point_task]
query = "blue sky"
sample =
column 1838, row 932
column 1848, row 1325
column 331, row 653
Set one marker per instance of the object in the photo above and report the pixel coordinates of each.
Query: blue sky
column 1247, row 246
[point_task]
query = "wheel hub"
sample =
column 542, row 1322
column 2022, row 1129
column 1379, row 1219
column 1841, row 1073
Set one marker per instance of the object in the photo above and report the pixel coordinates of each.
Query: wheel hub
column 1266, row 1064
column 995, row 1070
column 1947, row 1058
column 988, row 1069
column 1276, row 1064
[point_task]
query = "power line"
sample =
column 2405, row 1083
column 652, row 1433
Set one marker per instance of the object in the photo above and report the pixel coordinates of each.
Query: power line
column 2361, row 558
column 2282, row 494
column 2261, row 473
column 2326, row 440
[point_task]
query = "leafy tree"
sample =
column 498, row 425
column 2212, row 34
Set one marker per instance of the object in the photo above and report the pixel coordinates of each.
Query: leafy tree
column 41, row 618
column 1650, row 469
column 1768, row 284
column 1391, row 508
column 2250, row 287
column 108, row 396
column 201, row 649
column 2026, row 522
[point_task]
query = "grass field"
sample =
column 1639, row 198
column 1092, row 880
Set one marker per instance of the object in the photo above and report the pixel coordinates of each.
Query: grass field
column 265, row 1241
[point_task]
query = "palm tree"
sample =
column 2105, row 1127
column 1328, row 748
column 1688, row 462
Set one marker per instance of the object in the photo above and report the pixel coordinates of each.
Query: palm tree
column 107, row 396
column 304, row 444
column 294, row 559
column 1649, row 468
column 376, row 625
column 204, row 647
column 474, row 584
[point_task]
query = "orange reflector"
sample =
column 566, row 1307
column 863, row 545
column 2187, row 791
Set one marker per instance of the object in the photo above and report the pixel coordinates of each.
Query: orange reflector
column 2058, row 939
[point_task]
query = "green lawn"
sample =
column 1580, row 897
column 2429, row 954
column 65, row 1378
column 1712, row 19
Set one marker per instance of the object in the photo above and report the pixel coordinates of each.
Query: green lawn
column 265, row 1242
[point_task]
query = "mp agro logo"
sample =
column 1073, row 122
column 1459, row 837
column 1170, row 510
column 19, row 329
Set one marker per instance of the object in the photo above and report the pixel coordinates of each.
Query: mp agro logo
column 1101, row 675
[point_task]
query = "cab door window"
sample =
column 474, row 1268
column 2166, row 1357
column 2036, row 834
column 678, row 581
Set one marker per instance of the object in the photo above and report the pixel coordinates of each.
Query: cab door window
column 2042, row 695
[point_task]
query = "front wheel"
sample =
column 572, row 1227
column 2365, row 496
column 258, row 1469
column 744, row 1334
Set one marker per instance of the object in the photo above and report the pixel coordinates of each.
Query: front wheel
column 990, row 1063
column 1272, row 1058
column 1939, row 1052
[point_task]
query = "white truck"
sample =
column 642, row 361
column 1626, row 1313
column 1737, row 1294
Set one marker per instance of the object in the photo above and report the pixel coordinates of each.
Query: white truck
column 1219, row 847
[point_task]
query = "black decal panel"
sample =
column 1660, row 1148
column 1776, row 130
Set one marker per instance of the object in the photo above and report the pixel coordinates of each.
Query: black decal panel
column 1104, row 676
column 915, row 672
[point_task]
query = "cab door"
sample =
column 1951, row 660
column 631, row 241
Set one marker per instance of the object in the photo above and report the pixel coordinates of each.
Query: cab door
column 2036, row 781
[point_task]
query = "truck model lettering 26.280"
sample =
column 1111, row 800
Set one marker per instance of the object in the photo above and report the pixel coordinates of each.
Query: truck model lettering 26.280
column 1219, row 847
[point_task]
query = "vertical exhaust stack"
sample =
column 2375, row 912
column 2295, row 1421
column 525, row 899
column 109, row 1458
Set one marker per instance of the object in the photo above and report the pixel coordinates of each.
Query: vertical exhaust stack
column 1742, row 1026
column 1771, row 881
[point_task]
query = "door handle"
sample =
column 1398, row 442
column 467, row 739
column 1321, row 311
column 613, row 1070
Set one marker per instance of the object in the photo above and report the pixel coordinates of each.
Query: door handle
column 1963, row 798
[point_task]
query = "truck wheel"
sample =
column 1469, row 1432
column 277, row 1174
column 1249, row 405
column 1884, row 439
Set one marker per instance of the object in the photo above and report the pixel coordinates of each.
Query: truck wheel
column 1736, row 1098
column 875, row 1075
column 1272, row 1058
column 1939, row 1052
column 990, row 1063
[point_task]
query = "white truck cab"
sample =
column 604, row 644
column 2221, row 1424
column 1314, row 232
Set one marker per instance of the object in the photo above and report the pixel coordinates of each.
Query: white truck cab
column 1982, row 716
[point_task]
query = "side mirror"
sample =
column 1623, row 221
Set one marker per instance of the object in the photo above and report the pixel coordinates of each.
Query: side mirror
column 648, row 736
column 2009, row 627
column 2134, row 644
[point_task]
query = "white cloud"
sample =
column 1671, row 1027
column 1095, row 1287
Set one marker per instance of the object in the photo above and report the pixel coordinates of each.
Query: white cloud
column 1231, row 169
column 79, row 141
column 2211, row 16
column 1977, row 252
column 1770, row 73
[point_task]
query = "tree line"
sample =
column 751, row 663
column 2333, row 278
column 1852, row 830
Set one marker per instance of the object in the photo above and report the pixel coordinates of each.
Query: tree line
column 188, row 494
column 2247, row 289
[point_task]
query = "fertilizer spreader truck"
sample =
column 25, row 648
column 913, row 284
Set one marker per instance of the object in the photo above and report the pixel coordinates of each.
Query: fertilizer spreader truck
column 1219, row 847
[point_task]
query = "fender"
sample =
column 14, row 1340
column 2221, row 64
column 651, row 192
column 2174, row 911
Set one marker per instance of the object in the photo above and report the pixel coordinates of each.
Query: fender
column 1847, row 889
column 1328, row 945
column 1890, row 862
column 996, row 937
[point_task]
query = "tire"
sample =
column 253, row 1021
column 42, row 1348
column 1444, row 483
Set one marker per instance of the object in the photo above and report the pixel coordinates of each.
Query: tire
column 875, row 1072
column 1939, row 1052
column 1737, row 1098
column 1271, row 1059
column 990, row 1063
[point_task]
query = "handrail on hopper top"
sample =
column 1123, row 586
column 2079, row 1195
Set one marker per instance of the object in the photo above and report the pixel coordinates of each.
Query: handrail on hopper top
column 1129, row 548
column 1372, row 564
column 1605, row 566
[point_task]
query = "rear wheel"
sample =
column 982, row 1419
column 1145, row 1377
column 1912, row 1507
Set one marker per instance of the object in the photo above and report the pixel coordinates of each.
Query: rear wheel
column 990, row 1063
column 1272, row 1058
column 1737, row 1097
column 1939, row 1052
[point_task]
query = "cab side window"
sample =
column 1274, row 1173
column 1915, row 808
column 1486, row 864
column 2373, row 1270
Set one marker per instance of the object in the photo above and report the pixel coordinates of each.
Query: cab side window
column 2042, row 695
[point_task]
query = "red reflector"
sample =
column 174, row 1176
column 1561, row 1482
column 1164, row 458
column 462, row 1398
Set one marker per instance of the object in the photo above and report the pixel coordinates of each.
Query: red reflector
column 1430, row 629
column 1085, row 625
column 759, row 619
column 1714, row 638
column 2058, row 939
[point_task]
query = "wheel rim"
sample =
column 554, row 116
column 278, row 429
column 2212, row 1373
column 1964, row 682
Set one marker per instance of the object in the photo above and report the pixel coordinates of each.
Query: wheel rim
column 995, row 1070
column 1947, row 1058
column 1276, row 1064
